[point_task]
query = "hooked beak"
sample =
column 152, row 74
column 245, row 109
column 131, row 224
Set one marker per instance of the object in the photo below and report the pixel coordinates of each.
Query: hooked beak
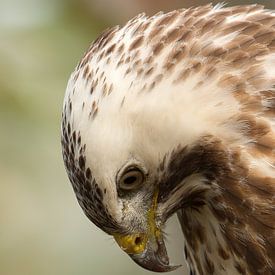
column 149, row 253
column 154, row 257
column 147, row 249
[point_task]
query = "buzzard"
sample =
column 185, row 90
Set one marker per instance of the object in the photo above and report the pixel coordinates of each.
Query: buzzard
column 175, row 113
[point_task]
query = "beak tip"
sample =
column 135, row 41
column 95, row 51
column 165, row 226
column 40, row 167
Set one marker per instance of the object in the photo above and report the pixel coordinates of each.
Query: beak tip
column 154, row 263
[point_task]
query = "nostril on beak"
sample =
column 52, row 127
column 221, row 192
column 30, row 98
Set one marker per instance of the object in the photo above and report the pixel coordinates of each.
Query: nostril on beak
column 138, row 240
column 132, row 244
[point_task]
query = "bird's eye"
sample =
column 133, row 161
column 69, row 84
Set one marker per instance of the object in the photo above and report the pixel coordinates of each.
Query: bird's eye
column 131, row 179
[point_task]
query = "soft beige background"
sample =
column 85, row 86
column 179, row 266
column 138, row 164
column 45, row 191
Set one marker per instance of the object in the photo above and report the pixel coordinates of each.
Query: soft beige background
column 42, row 229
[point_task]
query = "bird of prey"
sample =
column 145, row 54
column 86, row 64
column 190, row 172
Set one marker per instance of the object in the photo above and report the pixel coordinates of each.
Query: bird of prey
column 175, row 114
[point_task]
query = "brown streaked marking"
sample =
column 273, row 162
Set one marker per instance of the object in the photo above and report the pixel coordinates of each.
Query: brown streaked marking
column 136, row 30
column 195, row 48
column 255, row 127
column 271, row 45
column 267, row 140
column 101, row 75
column 200, row 232
column 199, row 84
column 167, row 18
column 142, row 27
column 262, row 18
column 158, row 78
column 222, row 13
column 136, row 63
column 93, row 105
column 110, row 49
column 210, row 24
column 104, row 90
column 152, row 86
column 223, row 253
column 183, row 75
column 155, row 31
column 121, row 60
column 172, row 35
column 189, row 22
column 264, row 36
column 228, row 80
column 157, row 48
column 120, row 49
column 187, row 34
column 85, row 71
column 210, row 72
column 127, row 71
column 188, row 12
column 187, row 229
column 149, row 72
column 92, row 89
column 200, row 11
column 178, row 54
column 168, row 66
column 122, row 102
column 90, row 75
column 140, row 71
column 261, row 184
column 232, row 46
column 144, row 87
column 240, row 268
column 216, row 52
column 209, row 265
column 240, row 9
column 106, row 36
column 135, row 55
column 251, row 29
column 251, row 72
column 219, row 212
column 251, row 103
column 119, row 63
column 196, row 66
column 238, row 58
column 245, row 42
column 148, row 60
column 111, row 87
column 94, row 113
column 108, row 60
column 235, row 26
column 199, row 23
column 127, row 60
column 100, row 56
column 136, row 43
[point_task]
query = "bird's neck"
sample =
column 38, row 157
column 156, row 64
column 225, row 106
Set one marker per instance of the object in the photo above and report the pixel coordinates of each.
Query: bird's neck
column 225, row 213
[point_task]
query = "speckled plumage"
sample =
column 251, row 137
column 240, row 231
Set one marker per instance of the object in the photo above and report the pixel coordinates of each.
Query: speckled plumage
column 188, row 97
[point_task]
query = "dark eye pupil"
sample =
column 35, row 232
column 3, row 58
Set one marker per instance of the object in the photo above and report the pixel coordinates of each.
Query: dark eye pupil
column 130, row 180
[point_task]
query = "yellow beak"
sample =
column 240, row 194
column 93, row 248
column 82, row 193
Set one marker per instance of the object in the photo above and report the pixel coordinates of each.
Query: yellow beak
column 136, row 243
column 132, row 244
column 147, row 249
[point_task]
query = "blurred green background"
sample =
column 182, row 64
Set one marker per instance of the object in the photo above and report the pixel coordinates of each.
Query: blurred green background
column 42, row 229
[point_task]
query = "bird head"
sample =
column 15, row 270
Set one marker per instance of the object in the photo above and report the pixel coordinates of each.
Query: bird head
column 165, row 115
column 117, row 166
column 127, row 134
column 125, row 165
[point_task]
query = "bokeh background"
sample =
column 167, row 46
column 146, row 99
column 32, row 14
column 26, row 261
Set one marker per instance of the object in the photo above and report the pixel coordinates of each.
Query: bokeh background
column 42, row 229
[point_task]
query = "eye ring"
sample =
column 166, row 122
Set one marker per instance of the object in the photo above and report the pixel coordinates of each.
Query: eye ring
column 131, row 179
